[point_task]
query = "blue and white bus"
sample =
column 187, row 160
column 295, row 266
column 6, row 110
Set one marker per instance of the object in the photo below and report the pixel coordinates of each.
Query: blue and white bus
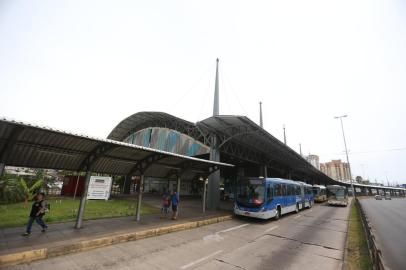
column 267, row 198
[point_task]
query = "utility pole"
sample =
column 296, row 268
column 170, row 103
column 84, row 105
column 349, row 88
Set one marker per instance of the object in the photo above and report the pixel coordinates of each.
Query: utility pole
column 264, row 168
column 261, row 124
column 213, row 186
column 300, row 149
column 216, row 106
column 346, row 151
column 284, row 134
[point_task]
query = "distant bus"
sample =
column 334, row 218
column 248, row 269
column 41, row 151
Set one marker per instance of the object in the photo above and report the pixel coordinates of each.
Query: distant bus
column 320, row 193
column 267, row 198
column 337, row 195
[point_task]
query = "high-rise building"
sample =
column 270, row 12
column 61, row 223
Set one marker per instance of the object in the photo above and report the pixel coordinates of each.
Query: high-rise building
column 336, row 169
column 314, row 160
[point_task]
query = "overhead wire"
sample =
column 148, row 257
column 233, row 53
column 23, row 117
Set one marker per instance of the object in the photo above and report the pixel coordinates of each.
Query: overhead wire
column 367, row 152
column 193, row 86
column 233, row 91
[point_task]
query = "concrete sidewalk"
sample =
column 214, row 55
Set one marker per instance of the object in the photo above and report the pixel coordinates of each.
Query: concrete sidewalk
column 64, row 234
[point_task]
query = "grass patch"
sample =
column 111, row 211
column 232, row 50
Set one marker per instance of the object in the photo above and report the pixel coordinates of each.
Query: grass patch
column 65, row 209
column 358, row 253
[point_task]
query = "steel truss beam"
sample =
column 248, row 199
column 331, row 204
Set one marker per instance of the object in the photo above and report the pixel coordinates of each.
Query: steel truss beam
column 98, row 152
column 143, row 164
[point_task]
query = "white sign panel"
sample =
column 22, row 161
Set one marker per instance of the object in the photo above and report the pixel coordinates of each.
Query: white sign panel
column 99, row 188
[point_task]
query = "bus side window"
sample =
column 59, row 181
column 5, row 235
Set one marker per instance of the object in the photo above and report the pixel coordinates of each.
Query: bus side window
column 277, row 188
column 298, row 190
column 269, row 190
column 291, row 190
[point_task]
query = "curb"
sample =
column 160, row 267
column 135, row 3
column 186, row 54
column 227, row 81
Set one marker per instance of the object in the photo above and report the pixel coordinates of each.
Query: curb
column 375, row 253
column 44, row 253
column 344, row 265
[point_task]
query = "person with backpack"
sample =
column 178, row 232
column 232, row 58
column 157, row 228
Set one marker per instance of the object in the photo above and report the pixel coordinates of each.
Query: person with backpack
column 166, row 202
column 175, row 204
column 38, row 210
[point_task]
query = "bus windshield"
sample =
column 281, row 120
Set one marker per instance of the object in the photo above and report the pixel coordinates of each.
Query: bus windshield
column 338, row 193
column 250, row 192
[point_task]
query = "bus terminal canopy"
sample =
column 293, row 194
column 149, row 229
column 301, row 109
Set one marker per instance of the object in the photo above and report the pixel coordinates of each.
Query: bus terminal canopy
column 239, row 134
column 26, row 145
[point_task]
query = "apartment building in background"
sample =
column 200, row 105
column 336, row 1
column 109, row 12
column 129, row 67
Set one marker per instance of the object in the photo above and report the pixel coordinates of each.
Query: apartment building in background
column 314, row 160
column 336, row 169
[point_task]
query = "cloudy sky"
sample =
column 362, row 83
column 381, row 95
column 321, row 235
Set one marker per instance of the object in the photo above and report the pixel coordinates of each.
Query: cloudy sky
column 84, row 66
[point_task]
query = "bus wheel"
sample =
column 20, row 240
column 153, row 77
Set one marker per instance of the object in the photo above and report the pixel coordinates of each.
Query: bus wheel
column 278, row 213
column 297, row 208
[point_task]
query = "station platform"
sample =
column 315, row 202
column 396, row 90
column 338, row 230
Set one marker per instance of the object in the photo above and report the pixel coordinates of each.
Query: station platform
column 63, row 234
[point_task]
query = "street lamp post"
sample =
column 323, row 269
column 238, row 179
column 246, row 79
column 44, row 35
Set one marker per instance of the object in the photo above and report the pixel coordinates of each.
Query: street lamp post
column 346, row 151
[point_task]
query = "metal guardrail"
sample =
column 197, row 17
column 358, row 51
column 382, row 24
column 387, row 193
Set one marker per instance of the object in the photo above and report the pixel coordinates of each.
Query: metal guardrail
column 374, row 251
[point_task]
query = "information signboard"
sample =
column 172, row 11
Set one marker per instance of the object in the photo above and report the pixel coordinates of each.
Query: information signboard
column 99, row 188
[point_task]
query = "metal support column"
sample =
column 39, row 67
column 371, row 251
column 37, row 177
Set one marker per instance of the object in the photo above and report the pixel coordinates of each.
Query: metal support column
column 204, row 194
column 2, row 167
column 178, row 186
column 141, row 190
column 178, row 191
column 213, row 195
column 79, row 218
column 265, row 171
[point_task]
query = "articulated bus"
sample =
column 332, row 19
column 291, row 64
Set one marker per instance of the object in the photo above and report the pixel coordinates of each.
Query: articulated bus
column 337, row 195
column 320, row 193
column 267, row 198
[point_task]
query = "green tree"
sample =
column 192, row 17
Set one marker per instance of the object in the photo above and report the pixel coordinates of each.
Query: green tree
column 10, row 190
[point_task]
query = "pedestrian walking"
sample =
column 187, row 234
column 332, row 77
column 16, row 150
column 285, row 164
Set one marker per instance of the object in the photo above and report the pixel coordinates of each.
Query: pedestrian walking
column 38, row 210
column 175, row 204
column 166, row 202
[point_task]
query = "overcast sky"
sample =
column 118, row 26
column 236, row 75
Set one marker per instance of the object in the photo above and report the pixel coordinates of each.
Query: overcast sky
column 84, row 66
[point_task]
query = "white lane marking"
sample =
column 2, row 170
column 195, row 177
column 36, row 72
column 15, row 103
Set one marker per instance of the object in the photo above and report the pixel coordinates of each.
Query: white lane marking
column 298, row 216
column 216, row 236
column 270, row 229
column 213, row 237
column 233, row 228
column 201, row 259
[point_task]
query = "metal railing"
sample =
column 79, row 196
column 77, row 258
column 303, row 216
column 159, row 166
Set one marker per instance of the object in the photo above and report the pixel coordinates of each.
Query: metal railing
column 374, row 252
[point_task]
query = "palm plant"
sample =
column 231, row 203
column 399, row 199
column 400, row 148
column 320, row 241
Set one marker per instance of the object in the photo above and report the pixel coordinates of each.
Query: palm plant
column 30, row 192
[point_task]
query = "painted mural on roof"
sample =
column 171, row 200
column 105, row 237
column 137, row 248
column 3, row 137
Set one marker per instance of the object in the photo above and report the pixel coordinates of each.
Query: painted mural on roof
column 168, row 140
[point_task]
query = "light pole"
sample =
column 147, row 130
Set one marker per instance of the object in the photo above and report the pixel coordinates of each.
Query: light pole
column 346, row 151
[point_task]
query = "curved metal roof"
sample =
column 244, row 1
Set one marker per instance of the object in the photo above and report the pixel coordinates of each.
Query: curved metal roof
column 143, row 120
column 26, row 145
column 238, row 136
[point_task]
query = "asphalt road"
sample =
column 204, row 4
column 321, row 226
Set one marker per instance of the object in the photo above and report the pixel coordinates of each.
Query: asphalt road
column 388, row 221
column 312, row 239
